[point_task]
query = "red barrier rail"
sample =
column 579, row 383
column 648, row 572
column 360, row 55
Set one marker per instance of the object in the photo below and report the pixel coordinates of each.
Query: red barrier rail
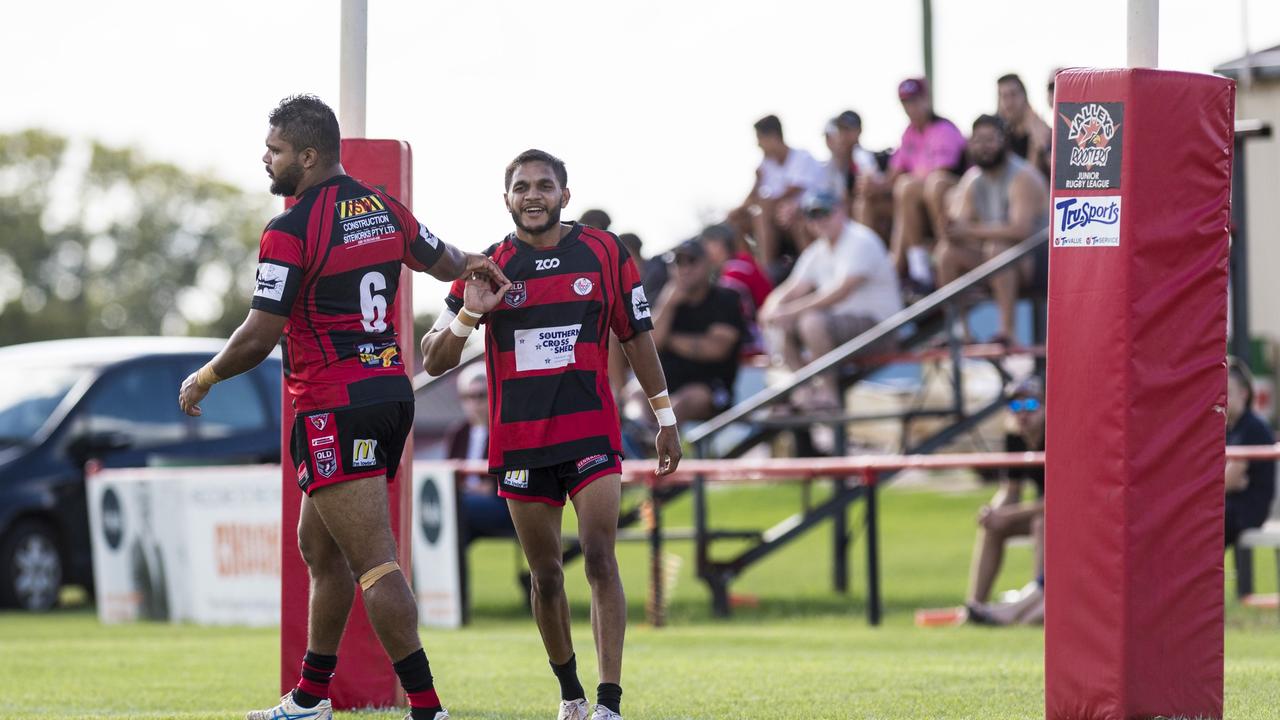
column 867, row 468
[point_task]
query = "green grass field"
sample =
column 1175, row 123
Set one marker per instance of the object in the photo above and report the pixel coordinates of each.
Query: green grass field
column 802, row 651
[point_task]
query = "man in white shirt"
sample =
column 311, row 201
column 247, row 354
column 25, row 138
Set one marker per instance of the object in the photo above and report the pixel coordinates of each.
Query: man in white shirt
column 842, row 285
column 769, row 214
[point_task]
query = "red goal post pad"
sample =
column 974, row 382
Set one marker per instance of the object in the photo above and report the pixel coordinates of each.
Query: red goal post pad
column 364, row 677
column 1137, row 394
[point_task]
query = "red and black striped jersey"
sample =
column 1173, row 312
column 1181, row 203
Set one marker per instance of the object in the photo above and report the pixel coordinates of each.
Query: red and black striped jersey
column 331, row 265
column 547, row 347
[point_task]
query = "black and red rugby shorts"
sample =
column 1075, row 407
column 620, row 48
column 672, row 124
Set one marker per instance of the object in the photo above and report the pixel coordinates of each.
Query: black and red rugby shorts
column 552, row 484
column 352, row 443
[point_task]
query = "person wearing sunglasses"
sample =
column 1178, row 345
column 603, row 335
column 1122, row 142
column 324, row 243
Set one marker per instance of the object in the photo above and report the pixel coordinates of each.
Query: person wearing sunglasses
column 1008, row 515
column 843, row 284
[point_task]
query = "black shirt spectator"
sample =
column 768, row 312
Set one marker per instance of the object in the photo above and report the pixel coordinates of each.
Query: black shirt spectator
column 1249, row 507
column 719, row 306
column 698, row 330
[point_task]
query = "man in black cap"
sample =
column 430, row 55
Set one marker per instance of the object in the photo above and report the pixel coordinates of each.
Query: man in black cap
column 698, row 330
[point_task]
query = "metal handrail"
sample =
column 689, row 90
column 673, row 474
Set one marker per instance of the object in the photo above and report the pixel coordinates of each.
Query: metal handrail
column 860, row 344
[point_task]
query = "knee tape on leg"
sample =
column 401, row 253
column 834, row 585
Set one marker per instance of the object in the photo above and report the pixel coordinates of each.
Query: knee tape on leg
column 368, row 579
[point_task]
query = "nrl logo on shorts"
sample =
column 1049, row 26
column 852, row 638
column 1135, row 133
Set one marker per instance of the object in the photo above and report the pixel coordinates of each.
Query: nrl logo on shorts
column 516, row 296
column 320, row 421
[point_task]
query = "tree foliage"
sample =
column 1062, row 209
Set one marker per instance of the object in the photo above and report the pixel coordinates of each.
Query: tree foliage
column 96, row 240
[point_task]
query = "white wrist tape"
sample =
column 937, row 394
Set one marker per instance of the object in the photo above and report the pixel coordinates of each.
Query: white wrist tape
column 464, row 322
column 661, row 405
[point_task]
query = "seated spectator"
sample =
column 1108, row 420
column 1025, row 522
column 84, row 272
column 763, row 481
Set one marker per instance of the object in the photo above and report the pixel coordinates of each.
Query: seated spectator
column 484, row 513
column 697, row 328
column 1000, row 202
column 653, row 276
column 1008, row 515
column 843, row 285
column 736, row 270
column 924, row 168
column 1029, row 136
column 1250, row 484
column 597, row 219
column 769, row 212
column 849, row 160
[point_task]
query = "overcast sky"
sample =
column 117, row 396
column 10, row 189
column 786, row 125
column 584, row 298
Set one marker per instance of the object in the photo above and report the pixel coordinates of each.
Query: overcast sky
column 650, row 104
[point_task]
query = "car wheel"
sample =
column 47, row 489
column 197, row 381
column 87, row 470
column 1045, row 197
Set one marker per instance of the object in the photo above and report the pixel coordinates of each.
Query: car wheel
column 30, row 567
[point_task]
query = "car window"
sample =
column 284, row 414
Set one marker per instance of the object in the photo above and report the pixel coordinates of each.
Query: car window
column 140, row 401
column 233, row 406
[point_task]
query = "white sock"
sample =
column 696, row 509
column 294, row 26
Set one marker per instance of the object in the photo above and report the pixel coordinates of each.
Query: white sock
column 918, row 267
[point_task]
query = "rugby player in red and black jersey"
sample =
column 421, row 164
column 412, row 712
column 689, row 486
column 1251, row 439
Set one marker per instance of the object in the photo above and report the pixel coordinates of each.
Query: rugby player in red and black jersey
column 327, row 277
column 554, row 429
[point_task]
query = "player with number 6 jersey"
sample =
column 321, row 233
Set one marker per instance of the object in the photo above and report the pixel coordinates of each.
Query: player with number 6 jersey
column 327, row 279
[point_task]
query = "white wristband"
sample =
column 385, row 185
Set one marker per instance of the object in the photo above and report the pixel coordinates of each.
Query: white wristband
column 461, row 326
column 661, row 405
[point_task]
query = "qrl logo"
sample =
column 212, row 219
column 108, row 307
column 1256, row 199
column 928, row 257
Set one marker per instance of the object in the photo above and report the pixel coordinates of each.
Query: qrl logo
column 546, row 264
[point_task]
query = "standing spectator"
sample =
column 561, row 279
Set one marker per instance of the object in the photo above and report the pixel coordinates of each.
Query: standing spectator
column 926, row 165
column 843, row 285
column 1029, row 135
column 1250, row 484
column 597, row 219
column 485, row 513
column 769, row 212
column 737, row 270
column 698, row 329
column 1007, row 515
column 1001, row 201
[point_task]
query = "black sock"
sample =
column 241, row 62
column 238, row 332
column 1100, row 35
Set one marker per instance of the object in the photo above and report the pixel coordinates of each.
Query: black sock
column 317, row 671
column 567, row 674
column 610, row 696
column 415, row 676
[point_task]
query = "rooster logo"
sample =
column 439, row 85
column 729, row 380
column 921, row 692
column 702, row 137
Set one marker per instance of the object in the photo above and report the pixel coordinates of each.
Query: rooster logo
column 1092, row 130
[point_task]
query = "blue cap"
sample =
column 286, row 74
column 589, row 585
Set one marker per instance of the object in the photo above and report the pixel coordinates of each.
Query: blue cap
column 819, row 200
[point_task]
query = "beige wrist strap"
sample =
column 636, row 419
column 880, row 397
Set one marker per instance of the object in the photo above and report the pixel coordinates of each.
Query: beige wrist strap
column 206, row 377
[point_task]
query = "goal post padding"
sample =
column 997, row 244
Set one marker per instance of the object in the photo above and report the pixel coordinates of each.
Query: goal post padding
column 1136, row 394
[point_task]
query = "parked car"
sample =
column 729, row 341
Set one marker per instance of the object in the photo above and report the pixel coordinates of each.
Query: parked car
column 114, row 401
